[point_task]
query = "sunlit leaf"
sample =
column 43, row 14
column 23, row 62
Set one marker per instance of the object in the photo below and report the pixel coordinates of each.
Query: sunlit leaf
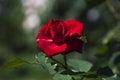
column 80, row 65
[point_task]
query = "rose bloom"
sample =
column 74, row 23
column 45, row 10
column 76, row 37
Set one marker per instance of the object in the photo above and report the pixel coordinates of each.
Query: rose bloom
column 58, row 37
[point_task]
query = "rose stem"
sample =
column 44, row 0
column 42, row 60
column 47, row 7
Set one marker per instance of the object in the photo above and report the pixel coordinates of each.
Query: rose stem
column 66, row 66
column 57, row 62
column 65, row 60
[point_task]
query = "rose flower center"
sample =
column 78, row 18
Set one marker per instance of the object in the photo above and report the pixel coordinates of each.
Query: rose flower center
column 59, row 32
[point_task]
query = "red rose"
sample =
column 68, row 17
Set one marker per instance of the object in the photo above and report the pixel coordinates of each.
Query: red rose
column 58, row 37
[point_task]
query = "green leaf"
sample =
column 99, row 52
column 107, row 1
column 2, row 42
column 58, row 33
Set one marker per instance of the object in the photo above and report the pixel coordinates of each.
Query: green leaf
column 80, row 65
column 84, row 39
column 62, row 77
column 14, row 64
column 43, row 61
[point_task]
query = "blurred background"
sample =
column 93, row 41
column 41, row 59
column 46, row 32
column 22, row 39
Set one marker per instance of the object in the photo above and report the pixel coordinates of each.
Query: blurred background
column 20, row 21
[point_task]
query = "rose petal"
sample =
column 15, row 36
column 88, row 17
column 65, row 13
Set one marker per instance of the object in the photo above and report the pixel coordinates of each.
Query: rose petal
column 42, row 32
column 74, row 27
column 57, row 28
column 50, row 48
column 74, row 44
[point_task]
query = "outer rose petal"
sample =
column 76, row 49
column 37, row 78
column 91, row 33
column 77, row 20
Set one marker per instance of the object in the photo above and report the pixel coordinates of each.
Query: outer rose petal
column 49, row 48
column 74, row 28
column 42, row 33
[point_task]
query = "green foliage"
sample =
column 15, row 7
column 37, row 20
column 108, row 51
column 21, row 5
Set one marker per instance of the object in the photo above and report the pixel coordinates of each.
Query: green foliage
column 101, row 49
column 43, row 61
column 62, row 77
column 115, row 77
column 115, row 59
column 112, row 35
column 84, row 39
column 80, row 65
column 14, row 64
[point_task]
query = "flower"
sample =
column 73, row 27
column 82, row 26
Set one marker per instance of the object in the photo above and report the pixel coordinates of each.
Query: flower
column 58, row 37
